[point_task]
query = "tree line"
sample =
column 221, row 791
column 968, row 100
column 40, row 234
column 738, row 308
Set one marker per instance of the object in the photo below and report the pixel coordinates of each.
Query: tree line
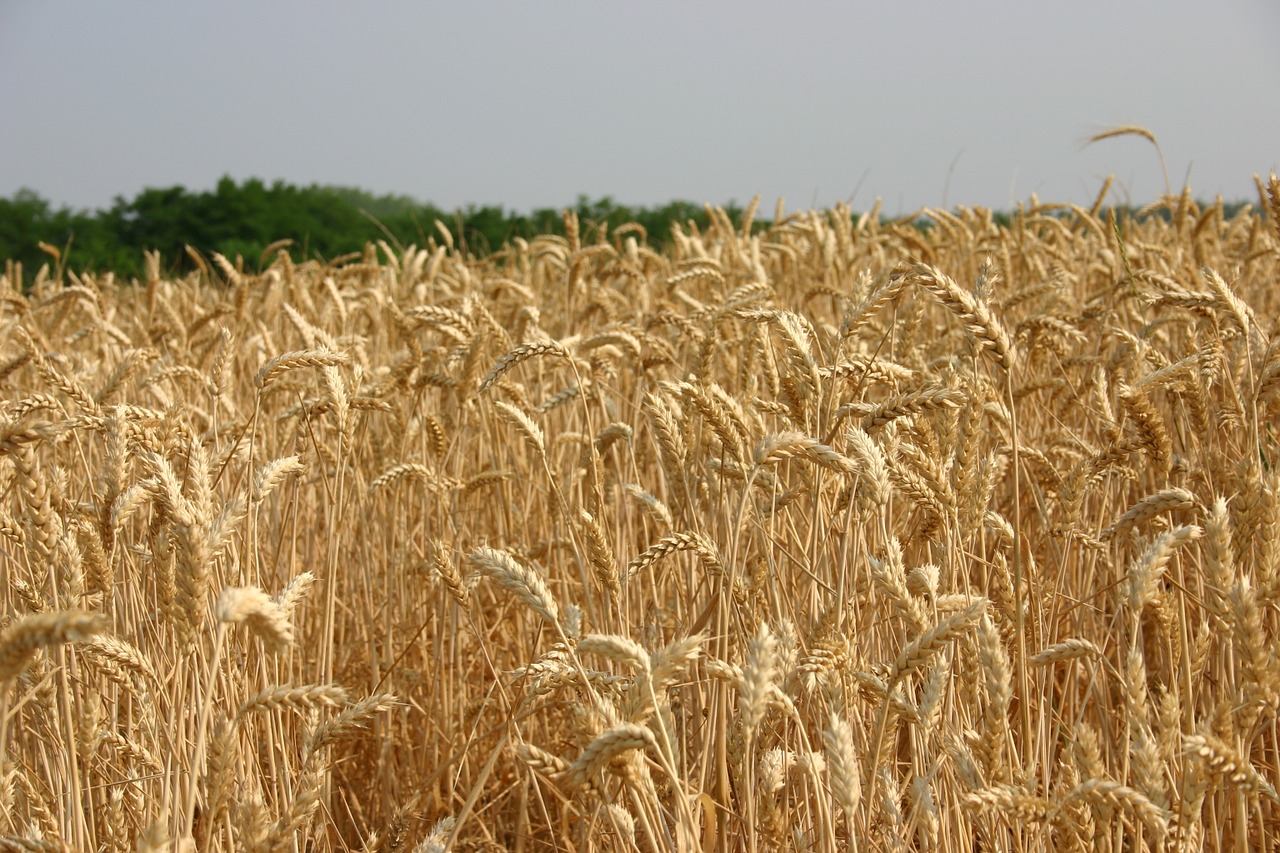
column 241, row 220
column 244, row 219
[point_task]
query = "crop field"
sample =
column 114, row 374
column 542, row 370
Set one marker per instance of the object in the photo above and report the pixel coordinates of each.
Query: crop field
column 828, row 533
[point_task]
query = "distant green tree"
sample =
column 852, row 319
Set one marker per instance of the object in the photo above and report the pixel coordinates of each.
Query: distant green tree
column 27, row 220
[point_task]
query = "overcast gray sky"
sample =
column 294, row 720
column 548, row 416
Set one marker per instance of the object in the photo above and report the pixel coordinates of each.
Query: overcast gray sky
column 530, row 104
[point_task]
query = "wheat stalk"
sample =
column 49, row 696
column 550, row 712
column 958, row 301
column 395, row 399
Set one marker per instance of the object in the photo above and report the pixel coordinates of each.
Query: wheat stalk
column 525, row 583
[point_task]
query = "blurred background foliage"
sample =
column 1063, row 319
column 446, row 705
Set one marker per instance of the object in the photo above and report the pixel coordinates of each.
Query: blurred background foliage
column 241, row 220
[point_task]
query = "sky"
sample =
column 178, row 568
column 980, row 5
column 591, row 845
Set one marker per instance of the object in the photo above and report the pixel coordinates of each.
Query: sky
column 531, row 104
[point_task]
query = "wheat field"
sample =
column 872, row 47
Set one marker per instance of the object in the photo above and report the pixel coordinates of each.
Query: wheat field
column 832, row 534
